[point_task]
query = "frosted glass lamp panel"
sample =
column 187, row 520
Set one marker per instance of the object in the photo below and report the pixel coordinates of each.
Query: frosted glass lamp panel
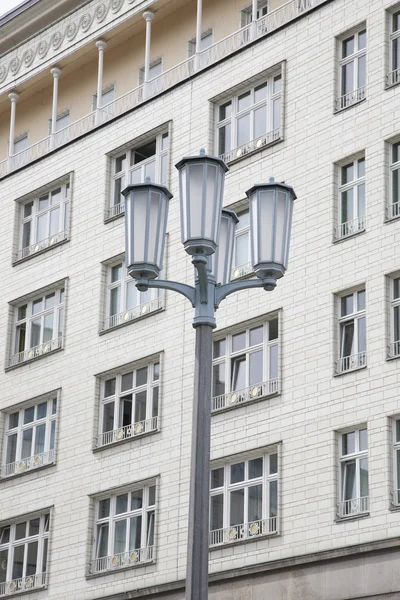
column 281, row 221
column 221, row 260
column 264, row 251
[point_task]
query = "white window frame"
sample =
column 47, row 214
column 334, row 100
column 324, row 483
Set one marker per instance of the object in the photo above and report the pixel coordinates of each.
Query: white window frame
column 45, row 346
column 396, row 461
column 267, row 523
column 208, row 33
column 123, row 177
column 149, row 424
column 35, row 246
column 393, row 209
column 358, row 505
column 274, row 129
column 147, row 302
column 357, row 94
column 28, row 581
column 358, row 358
column 356, row 225
column 393, row 77
column 154, row 63
column 394, row 349
column 106, row 90
column 130, row 557
column 268, row 386
column 23, row 137
column 37, row 459
column 246, row 14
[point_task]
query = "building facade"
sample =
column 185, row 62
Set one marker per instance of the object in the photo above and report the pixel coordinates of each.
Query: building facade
column 97, row 378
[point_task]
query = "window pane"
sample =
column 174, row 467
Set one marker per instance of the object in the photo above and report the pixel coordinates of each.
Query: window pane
column 244, row 220
column 29, row 415
column 28, row 209
column 121, row 504
column 31, row 562
column 273, row 498
column 135, row 533
column 347, row 305
column 361, row 200
column 34, row 525
column 120, row 536
column 26, row 449
column 243, row 130
column 127, row 381
column 39, row 438
column 362, row 39
column 54, row 221
column 363, row 439
column 116, row 273
column 348, row 47
column 273, row 362
column 217, row 478
column 238, row 341
column 254, row 503
column 348, row 443
column 141, row 376
column 348, row 78
column 115, row 301
column 164, row 169
column 126, row 411
column 150, row 529
column 37, row 306
column 361, row 300
column 13, row 420
column 395, row 187
column 26, row 234
column 154, row 412
column 260, row 122
column 363, row 477
column 43, row 202
column 218, row 379
column 164, row 141
column 120, row 163
column 349, row 480
column 276, row 113
column 396, row 324
column 255, row 468
column 236, row 507
column 362, row 342
column 131, row 295
column 156, row 372
column 241, row 250
column 49, row 300
column 256, row 367
column 109, row 387
column 20, row 531
column 143, row 152
column 216, row 512
column 224, row 139
column 260, row 92
column 52, row 434
column 273, row 464
column 237, row 472
column 347, row 202
column 41, row 230
column 35, row 332
column 136, row 499
column 277, row 84
column 238, row 374
column 361, row 167
column 219, row 348
column 3, row 565
column 256, row 336
column 104, row 508
column 396, row 288
column 119, row 185
column 108, row 417
column 102, row 541
column 11, row 448
column 41, row 410
column 44, row 561
column 361, row 71
column 48, row 327
column 18, row 562
column 152, row 495
column 225, row 111
column 140, row 407
column 273, row 330
column 244, row 101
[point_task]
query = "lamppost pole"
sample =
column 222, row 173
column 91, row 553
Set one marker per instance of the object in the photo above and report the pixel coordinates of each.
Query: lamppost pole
column 208, row 237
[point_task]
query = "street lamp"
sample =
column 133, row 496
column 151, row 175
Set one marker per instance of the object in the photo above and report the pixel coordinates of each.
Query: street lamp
column 208, row 237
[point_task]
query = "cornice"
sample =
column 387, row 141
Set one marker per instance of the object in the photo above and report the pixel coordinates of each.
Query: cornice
column 50, row 45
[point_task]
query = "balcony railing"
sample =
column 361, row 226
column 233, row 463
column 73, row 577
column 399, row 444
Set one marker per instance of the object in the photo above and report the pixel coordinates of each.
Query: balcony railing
column 221, row 49
column 355, row 506
column 133, row 313
column 393, row 78
column 26, row 355
column 245, row 531
column 394, row 349
column 117, row 209
column 24, row 584
column 350, row 228
column 127, row 432
column 125, row 559
column 241, row 270
column 393, row 210
column 42, row 245
column 351, row 98
column 253, row 392
column 27, row 464
column 350, row 363
column 252, row 146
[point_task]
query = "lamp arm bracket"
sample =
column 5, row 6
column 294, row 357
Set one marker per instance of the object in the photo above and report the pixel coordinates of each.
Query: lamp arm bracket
column 188, row 291
column 221, row 292
column 199, row 261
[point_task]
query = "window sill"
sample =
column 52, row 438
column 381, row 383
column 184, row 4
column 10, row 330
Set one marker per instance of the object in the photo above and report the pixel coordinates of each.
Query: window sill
column 160, row 306
column 394, row 508
column 246, row 540
column 350, row 371
column 249, row 402
column 363, row 515
column 26, row 472
column 25, row 585
column 39, row 252
column 114, row 217
column 252, row 147
column 337, row 111
column 348, row 237
column 119, row 569
column 391, row 219
column 32, row 359
column 138, row 436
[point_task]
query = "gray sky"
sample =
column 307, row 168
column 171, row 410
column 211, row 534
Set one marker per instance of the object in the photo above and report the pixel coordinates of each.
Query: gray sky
column 6, row 5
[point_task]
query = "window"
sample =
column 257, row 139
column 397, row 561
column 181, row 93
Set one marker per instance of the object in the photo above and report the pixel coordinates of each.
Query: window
column 395, row 317
column 205, row 41
column 250, row 120
column 245, row 365
column 247, row 13
column 43, row 221
column 129, row 404
column 21, row 143
column 352, row 332
column 351, row 199
column 23, row 554
column 133, row 166
column 396, row 457
column 244, row 499
column 242, row 254
column 107, row 96
column 352, row 69
column 29, row 437
column 124, row 302
column 155, row 69
column 124, row 529
column 394, row 52
column 353, row 453
column 394, row 206
column 38, row 326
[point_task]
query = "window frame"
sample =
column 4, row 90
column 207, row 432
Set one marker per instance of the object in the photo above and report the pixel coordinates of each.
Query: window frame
column 393, row 208
column 273, row 134
column 393, row 76
column 358, row 93
column 133, row 557
column 394, row 347
column 192, row 42
column 228, row 533
column 358, row 359
column 396, row 462
column 19, row 138
column 233, row 398
column 358, row 506
column 245, row 268
column 262, row 5
column 154, row 63
column 150, row 424
column 345, row 229
column 106, row 90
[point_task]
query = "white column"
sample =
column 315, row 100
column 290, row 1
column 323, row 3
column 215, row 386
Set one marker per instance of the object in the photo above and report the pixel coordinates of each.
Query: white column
column 101, row 45
column 254, row 17
column 56, row 72
column 13, row 97
column 198, row 30
column 148, row 16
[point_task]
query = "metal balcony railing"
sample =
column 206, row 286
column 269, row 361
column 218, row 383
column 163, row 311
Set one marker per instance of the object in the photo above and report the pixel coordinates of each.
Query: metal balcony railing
column 124, row 559
column 394, row 349
column 129, row 431
column 245, row 531
column 209, row 56
column 30, row 582
column 241, row 270
column 27, row 464
column 393, row 210
column 355, row 506
column 252, row 146
column 117, row 209
column 351, row 98
column 231, row 399
column 30, row 353
column 350, row 363
column 350, row 227
column 133, row 313
column 42, row 245
column 393, row 78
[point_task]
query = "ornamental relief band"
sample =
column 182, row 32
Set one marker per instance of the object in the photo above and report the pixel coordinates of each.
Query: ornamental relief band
column 80, row 22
